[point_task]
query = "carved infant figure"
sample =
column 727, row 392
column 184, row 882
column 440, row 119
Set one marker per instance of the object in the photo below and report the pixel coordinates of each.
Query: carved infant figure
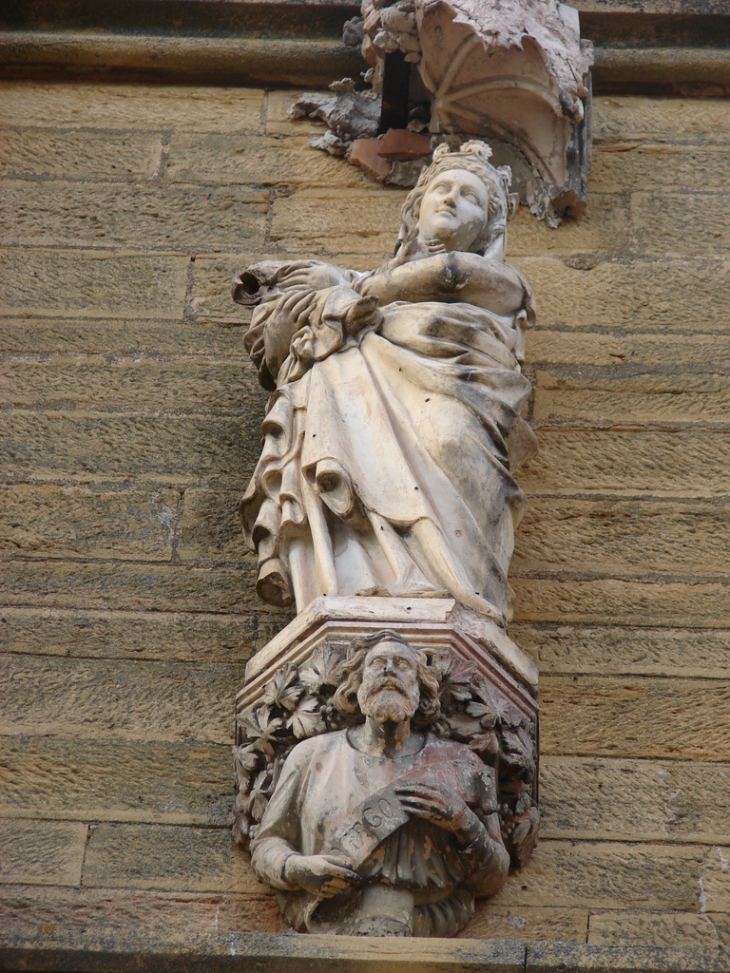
column 378, row 829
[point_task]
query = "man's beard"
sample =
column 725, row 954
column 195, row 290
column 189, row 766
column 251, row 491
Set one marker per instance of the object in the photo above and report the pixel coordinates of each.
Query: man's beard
column 388, row 706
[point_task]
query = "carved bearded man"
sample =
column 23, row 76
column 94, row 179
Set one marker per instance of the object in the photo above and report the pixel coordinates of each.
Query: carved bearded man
column 381, row 830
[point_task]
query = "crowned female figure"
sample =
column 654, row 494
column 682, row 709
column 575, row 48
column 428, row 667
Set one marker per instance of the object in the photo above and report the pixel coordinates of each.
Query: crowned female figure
column 394, row 426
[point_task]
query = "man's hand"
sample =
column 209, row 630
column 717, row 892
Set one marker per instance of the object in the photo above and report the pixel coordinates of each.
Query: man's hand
column 322, row 875
column 441, row 805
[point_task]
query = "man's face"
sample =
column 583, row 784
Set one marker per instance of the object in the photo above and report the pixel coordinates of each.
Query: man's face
column 389, row 691
column 453, row 210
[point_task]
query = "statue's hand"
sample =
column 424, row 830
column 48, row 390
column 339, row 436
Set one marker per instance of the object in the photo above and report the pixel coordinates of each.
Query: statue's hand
column 322, row 875
column 441, row 805
column 312, row 275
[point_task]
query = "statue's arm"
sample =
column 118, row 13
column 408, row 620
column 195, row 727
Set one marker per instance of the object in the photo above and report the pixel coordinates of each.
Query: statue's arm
column 486, row 859
column 276, row 854
column 449, row 277
column 279, row 834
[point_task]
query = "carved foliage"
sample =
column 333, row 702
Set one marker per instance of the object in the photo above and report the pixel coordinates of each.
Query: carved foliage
column 297, row 703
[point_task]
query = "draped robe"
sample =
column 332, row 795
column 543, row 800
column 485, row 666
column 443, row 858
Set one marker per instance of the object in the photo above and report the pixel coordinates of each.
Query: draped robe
column 424, row 883
column 389, row 445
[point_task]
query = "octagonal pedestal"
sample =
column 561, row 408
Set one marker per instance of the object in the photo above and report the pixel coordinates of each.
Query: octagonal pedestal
column 428, row 623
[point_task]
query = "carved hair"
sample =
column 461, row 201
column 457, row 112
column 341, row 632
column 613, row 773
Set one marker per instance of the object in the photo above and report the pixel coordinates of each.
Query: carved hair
column 429, row 705
column 473, row 157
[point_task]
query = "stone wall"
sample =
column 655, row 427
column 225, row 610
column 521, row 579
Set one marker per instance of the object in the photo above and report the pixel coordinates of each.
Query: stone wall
column 130, row 420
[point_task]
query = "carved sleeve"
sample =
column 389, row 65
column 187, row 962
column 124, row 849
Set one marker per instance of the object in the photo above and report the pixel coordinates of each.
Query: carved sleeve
column 279, row 835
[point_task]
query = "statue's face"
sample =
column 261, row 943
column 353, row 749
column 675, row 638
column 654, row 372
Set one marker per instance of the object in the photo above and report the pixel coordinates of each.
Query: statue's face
column 453, row 210
column 389, row 691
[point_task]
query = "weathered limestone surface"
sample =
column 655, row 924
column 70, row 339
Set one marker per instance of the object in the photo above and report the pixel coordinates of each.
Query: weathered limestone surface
column 130, row 420
column 126, row 700
column 162, row 636
column 115, row 780
column 609, row 651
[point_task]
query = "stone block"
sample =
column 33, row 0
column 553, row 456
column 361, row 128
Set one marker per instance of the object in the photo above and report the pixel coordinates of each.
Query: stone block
column 608, row 799
column 714, row 882
column 312, row 221
column 617, row 650
column 667, row 224
column 130, row 106
column 130, row 385
column 624, row 538
column 637, row 164
column 210, row 529
column 264, row 161
column 41, row 852
column 669, row 119
column 526, row 924
column 128, row 587
column 74, row 522
column 635, row 717
column 84, row 919
column 628, row 349
column 607, row 875
column 155, row 636
column 143, row 217
column 651, row 929
column 628, row 462
column 670, row 294
column 116, row 780
column 608, row 601
column 91, row 284
column 602, row 228
column 674, row 397
column 169, row 450
column 124, row 700
column 118, row 338
column 112, row 156
column 167, row 857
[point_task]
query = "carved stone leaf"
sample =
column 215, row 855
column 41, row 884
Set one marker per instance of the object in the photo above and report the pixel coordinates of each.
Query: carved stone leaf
column 517, row 748
column 484, row 712
column 494, row 702
column 324, row 669
column 243, row 803
column 284, row 689
column 245, row 759
column 260, row 727
column 306, row 720
column 464, row 727
column 260, row 794
column 486, row 744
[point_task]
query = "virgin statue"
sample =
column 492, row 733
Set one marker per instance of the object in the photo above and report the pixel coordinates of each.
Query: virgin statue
column 394, row 428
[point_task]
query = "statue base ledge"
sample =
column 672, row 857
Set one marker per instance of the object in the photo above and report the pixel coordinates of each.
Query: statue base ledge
column 428, row 623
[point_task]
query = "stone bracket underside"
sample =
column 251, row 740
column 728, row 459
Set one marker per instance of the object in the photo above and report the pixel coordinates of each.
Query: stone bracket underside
column 641, row 46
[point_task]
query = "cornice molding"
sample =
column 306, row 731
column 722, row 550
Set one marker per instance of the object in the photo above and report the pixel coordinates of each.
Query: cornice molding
column 643, row 46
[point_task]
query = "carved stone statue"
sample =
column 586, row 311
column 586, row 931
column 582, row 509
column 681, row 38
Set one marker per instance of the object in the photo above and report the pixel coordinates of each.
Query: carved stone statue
column 379, row 829
column 394, row 426
column 386, row 751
